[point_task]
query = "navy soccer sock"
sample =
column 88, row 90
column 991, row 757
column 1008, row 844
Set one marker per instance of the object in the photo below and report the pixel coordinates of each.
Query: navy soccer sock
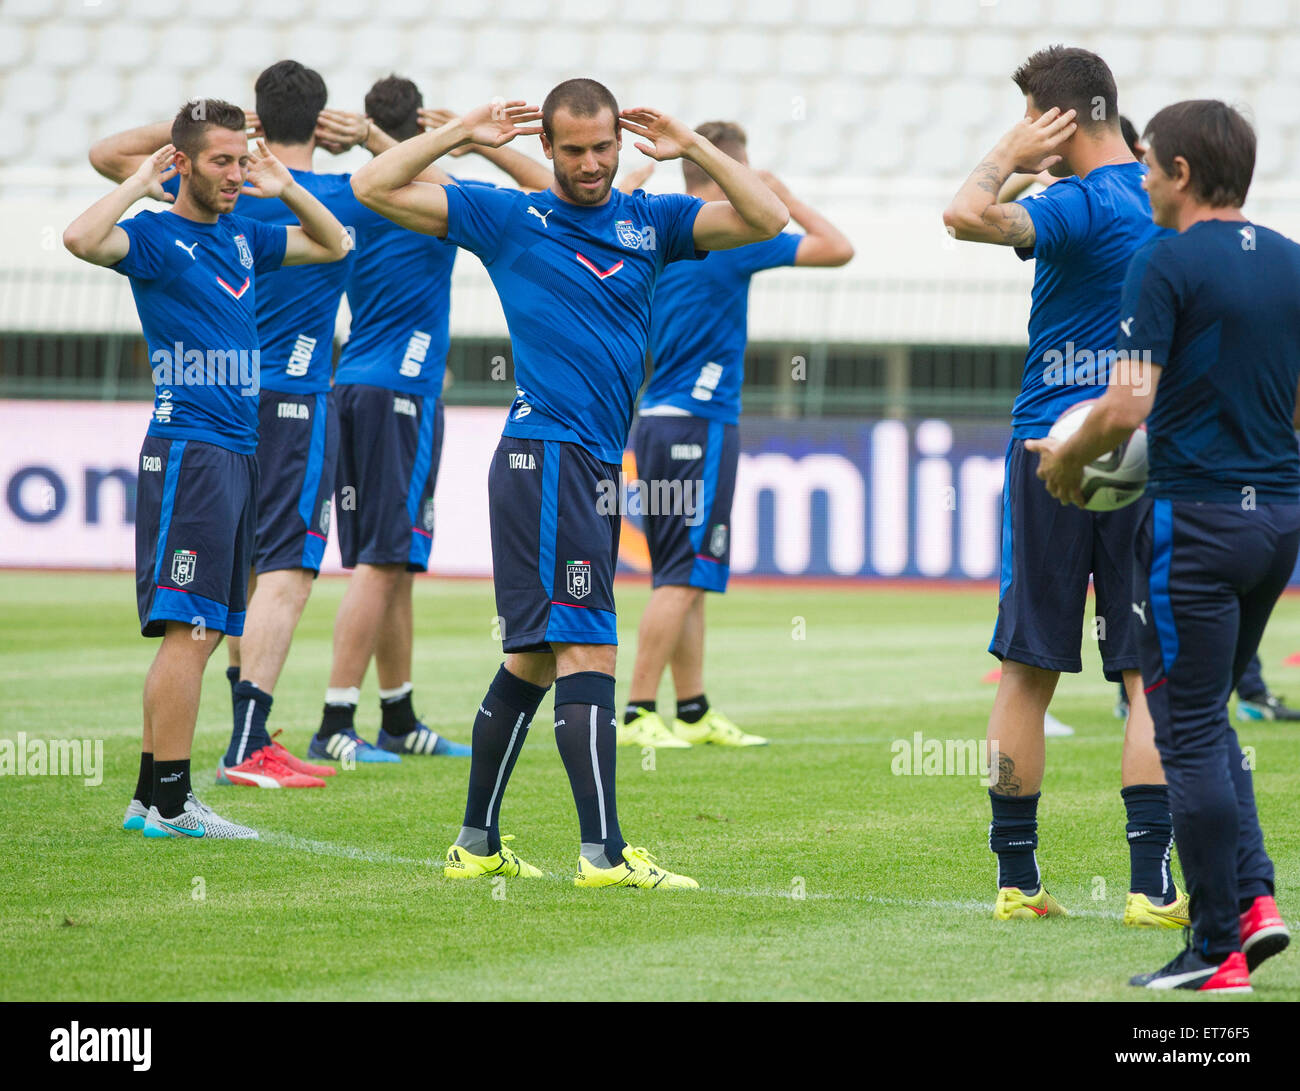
column 1013, row 835
column 397, row 714
column 144, row 781
column 500, row 729
column 587, row 738
column 171, row 785
column 252, row 707
column 1150, row 832
column 693, row 710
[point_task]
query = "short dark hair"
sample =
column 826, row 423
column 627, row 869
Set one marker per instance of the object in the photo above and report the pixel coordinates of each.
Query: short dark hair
column 289, row 97
column 393, row 103
column 1217, row 142
column 728, row 137
column 197, row 116
column 1130, row 134
column 581, row 97
column 1071, row 79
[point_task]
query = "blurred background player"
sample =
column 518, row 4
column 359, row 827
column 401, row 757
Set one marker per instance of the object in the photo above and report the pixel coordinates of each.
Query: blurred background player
column 575, row 268
column 1081, row 233
column 194, row 273
column 388, row 390
column 1211, row 332
column 687, row 437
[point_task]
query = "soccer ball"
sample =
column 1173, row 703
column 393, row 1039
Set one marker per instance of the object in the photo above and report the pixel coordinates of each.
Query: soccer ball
column 1116, row 479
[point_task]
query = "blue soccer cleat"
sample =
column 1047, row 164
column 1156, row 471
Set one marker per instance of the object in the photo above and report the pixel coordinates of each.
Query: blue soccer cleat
column 347, row 747
column 422, row 741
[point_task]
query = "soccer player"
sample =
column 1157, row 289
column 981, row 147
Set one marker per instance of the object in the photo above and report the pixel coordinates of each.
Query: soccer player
column 298, row 426
column 575, row 267
column 1210, row 337
column 195, row 271
column 1081, row 233
column 687, row 446
column 388, row 390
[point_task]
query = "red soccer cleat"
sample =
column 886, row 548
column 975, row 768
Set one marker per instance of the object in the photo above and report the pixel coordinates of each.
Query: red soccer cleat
column 261, row 769
column 284, row 757
column 1263, row 932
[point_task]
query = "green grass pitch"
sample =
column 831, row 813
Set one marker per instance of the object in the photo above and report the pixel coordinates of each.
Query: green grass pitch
column 824, row 874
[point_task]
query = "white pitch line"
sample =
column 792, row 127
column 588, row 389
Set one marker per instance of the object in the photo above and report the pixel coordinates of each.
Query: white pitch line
column 349, row 852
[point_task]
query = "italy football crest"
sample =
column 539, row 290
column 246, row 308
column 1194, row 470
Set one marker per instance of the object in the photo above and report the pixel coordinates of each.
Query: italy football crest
column 579, row 579
column 245, row 252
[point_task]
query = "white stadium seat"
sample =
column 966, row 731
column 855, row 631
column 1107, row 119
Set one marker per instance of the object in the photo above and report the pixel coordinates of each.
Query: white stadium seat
column 1177, row 56
column 321, row 47
column 836, row 14
column 683, row 50
column 15, row 47
column 186, row 45
column 804, row 53
column 1147, row 15
column 1263, row 14
column 61, row 47
column 869, row 53
column 926, row 54
column 159, row 11
column 744, row 52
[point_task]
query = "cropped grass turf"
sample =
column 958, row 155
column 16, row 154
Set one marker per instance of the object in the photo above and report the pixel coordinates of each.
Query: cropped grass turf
column 825, row 875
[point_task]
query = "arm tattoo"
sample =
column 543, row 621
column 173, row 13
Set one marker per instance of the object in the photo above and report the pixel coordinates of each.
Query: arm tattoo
column 1008, row 783
column 1012, row 223
column 1009, row 222
column 988, row 177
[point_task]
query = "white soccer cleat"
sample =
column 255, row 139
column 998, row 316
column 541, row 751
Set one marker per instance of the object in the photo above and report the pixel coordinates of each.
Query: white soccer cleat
column 1054, row 729
column 196, row 820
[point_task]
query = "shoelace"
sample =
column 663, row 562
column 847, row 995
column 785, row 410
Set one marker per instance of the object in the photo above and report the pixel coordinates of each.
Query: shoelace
column 643, row 857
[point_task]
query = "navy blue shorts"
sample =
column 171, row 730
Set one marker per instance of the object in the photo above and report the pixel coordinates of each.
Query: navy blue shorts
column 686, row 473
column 195, row 523
column 554, row 512
column 1048, row 551
column 390, row 445
column 297, row 445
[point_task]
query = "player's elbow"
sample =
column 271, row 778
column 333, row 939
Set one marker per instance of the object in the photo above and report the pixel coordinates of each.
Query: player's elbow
column 365, row 187
column 775, row 221
column 101, row 158
column 841, row 253
column 960, row 224
column 75, row 242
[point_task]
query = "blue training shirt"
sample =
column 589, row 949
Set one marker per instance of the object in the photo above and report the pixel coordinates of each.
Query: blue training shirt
column 196, row 288
column 1218, row 308
column 298, row 307
column 699, row 325
column 576, row 284
column 1086, row 230
column 399, row 292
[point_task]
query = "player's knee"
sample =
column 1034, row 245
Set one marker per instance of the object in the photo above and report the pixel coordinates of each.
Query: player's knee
column 536, row 668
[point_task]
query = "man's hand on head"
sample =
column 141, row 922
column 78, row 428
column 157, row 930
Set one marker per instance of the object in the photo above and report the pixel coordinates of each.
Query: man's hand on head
column 1031, row 144
column 663, row 137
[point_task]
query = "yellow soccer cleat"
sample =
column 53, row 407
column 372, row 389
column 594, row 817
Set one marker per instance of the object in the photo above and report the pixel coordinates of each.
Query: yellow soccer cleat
column 713, row 727
column 649, row 729
column 1014, row 904
column 1140, row 912
column 638, row 869
column 463, row 864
